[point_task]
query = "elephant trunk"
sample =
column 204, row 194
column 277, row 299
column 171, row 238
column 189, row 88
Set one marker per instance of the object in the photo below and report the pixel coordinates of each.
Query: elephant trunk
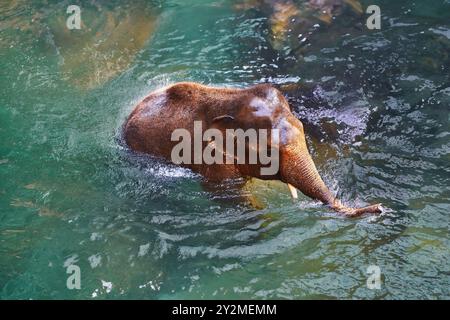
column 299, row 170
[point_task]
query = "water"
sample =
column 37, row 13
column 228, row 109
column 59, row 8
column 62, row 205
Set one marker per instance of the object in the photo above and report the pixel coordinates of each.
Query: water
column 375, row 105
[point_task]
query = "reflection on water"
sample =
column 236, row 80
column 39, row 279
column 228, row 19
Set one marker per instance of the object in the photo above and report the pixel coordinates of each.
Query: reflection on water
column 375, row 106
column 106, row 44
column 111, row 35
column 292, row 24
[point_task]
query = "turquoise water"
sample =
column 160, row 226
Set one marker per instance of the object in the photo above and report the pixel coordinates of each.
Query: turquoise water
column 375, row 105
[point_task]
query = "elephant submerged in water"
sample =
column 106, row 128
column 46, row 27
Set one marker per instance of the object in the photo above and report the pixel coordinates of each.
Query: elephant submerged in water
column 194, row 109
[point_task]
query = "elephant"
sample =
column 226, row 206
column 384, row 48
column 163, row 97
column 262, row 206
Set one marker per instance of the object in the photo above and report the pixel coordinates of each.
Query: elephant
column 151, row 125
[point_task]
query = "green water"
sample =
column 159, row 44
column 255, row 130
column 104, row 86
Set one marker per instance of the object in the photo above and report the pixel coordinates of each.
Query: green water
column 375, row 104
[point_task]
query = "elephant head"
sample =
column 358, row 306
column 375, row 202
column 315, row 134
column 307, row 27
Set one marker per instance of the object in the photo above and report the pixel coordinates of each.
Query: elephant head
column 267, row 108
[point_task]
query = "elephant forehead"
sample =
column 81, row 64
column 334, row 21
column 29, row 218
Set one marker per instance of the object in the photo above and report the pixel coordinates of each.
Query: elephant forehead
column 265, row 107
column 288, row 131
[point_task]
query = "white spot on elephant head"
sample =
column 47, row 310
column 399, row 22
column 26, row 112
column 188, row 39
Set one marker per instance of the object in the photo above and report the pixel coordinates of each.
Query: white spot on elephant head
column 288, row 132
column 266, row 107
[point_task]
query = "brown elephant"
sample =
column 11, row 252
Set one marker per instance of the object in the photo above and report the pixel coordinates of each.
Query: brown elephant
column 150, row 127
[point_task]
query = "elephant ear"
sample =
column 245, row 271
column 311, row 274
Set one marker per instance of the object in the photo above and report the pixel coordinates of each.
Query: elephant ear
column 222, row 122
column 223, row 118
